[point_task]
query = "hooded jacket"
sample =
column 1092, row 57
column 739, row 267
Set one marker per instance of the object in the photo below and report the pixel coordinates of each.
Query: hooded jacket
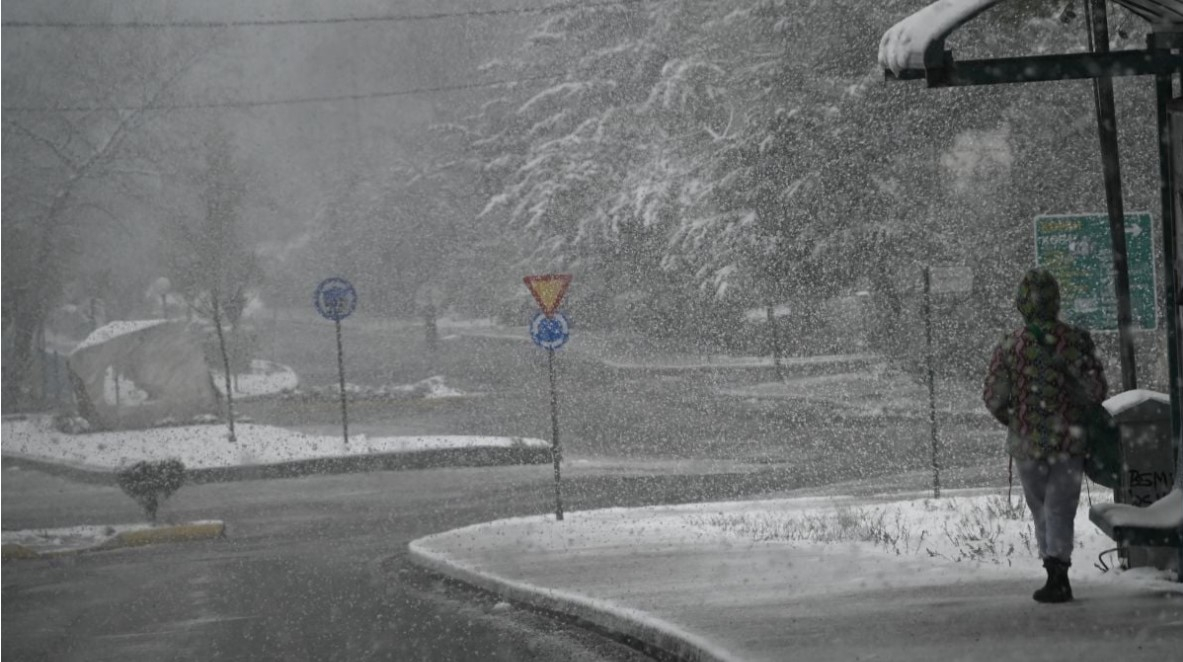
column 1035, row 388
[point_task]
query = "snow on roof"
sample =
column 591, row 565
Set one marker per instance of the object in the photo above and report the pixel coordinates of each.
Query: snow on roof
column 904, row 45
column 1166, row 513
column 116, row 329
column 1128, row 399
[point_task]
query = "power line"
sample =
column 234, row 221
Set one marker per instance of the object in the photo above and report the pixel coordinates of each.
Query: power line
column 259, row 103
column 386, row 18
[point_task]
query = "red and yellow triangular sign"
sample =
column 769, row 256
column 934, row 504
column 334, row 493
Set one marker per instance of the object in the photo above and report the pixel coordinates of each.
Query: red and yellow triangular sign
column 548, row 290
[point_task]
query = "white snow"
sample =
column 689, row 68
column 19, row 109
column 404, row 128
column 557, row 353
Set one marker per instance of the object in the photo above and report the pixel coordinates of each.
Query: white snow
column 265, row 378
column 761, row 314
column 725, row 361
column 1128, row 399
column 432, row 387
column 903, row 46
column 972, row 530
column 1166, row 513
column 206, row 446
column 116, row 329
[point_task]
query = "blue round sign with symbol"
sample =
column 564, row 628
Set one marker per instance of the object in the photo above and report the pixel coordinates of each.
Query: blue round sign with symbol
column 335, row 299
column 550, row 332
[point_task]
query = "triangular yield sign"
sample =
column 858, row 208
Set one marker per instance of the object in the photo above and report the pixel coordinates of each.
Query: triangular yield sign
column 548, row 290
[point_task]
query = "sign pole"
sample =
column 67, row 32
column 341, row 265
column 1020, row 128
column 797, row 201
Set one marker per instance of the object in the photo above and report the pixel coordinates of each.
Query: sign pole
column 335, row 299
column 550, row 330
column 556, row 448
column 932, row 390
column 341, row 372
column 1098, row 21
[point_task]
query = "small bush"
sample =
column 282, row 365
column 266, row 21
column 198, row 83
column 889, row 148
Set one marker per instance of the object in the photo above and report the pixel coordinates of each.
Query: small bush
column 70, row 424
column 149, row 483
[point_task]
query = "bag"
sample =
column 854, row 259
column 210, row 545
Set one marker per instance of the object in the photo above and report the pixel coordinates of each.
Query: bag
column 1102, row 460
column 1102, row 437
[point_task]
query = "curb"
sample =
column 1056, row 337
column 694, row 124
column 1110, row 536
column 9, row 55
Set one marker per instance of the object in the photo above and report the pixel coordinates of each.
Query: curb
column 140, row 538
column 667, row 640
column 431, row 459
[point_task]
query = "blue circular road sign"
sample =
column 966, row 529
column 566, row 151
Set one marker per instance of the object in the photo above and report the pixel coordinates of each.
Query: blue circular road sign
column 550, row 332
column 335, row 299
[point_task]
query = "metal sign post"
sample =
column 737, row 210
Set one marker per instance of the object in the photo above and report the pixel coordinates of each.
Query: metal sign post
column 336, row 299
column 939, row 280
column 550, row 330
column 932, row 389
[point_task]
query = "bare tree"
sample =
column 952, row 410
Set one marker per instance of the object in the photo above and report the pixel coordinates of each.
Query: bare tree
column 74, row 105
column 208, row 260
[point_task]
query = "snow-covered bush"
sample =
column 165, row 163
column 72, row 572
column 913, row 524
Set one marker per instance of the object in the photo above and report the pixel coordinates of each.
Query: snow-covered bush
column 149, row 483
column 71, row 424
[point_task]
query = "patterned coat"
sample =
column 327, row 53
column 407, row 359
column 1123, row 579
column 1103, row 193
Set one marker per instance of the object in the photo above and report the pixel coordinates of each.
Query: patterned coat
column 1028, row 386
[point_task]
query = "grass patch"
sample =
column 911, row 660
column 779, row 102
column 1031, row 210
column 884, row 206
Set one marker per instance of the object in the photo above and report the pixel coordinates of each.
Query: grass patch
column 987, row 530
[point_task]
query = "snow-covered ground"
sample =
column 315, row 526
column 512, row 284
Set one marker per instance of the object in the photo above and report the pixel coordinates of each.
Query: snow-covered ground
column 692, row 362
column 265, row 378
column 751, row 580
column 869, row 393
column 430, row 388
column 970, row 531
column 207, row 446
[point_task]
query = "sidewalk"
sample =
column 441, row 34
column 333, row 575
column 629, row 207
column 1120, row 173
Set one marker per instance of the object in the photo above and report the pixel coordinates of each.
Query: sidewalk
column 821, row 578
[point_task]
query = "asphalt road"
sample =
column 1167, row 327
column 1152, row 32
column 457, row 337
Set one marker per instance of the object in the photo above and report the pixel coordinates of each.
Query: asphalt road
column 312, row 569
column 606, row 412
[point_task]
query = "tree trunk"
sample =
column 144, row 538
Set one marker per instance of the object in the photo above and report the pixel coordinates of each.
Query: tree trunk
column 17, row 372
column 225, row 364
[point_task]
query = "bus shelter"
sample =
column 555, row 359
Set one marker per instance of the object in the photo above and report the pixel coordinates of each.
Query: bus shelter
column 915, row 50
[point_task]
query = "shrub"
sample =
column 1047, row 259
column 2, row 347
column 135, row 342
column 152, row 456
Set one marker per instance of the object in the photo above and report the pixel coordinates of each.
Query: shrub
column 149, row 483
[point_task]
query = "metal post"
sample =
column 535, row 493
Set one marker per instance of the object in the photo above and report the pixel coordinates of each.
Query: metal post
column 556, row 449
column 217, row 305
column 932, row 388
column 1107, row 131
column 1163, row 90
column 774, row 337
column 341, row 372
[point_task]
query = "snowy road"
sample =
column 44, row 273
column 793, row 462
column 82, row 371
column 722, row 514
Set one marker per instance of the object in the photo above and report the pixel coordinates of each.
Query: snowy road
column 313, row 568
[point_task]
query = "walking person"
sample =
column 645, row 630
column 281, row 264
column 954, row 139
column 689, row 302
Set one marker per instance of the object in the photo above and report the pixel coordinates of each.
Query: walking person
column 1041, row 377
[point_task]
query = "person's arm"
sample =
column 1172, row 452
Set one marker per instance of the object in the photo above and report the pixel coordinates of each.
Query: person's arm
column 998, row 388
column 1092, row 372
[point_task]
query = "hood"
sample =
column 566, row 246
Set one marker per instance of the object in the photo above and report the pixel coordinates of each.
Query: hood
column 1038, row 298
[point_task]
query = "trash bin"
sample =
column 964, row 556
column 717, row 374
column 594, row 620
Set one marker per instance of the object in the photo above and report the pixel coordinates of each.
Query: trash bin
column 1148, row 461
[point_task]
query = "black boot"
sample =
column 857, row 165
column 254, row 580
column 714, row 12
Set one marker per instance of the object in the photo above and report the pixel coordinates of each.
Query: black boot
column 1057, row 588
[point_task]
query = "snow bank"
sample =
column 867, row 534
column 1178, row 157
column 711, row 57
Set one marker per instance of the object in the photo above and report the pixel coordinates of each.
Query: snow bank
column 265, row 378
column 206, row 446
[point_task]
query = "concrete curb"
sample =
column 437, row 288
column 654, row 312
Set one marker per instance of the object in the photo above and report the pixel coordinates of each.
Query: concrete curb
column 431, row 459
column 154, row 536
column 631, row 625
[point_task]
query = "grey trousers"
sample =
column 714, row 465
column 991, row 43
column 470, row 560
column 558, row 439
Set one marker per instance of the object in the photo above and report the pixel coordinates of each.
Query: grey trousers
column 1052, row 488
